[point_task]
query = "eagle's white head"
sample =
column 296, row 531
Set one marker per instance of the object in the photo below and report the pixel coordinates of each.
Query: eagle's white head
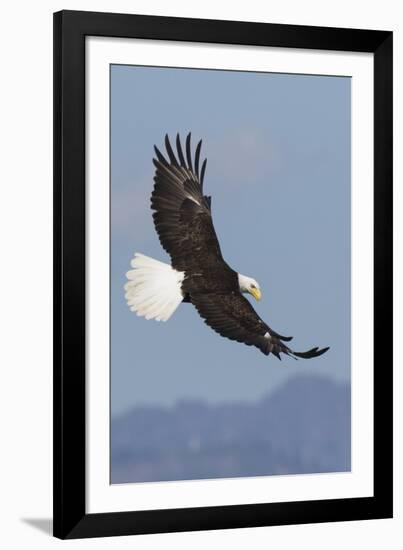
column 247, row 284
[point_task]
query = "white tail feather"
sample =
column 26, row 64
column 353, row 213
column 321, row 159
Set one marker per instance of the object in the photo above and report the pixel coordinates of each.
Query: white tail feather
column 153, row 289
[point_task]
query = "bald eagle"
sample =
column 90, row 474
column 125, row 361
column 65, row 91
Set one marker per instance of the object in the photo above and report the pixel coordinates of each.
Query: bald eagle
column 198, row 273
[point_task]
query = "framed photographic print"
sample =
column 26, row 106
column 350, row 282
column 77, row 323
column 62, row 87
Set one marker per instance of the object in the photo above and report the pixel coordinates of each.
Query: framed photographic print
column 181, row 400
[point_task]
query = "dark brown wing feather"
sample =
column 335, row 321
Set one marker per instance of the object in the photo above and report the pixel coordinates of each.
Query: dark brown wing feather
column 182, row 214
column 232, row 316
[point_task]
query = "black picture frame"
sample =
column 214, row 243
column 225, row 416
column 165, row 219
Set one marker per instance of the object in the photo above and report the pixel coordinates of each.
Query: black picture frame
column 70, row 517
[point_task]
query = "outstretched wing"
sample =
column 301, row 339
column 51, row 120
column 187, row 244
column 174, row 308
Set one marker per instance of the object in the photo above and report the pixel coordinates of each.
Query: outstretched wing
column 182, row 214
column 232, row 316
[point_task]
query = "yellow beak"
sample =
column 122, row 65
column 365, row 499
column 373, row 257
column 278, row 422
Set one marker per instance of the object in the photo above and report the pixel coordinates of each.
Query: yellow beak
column 255, row 293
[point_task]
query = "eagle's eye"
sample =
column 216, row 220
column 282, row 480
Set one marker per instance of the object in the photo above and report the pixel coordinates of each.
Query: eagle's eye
column 252, row 286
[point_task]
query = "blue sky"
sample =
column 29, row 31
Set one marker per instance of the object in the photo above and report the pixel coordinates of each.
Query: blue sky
column 278, row 149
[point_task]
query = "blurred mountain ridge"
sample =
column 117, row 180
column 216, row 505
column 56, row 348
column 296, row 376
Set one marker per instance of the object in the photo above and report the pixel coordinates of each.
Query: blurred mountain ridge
column 302, row 427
